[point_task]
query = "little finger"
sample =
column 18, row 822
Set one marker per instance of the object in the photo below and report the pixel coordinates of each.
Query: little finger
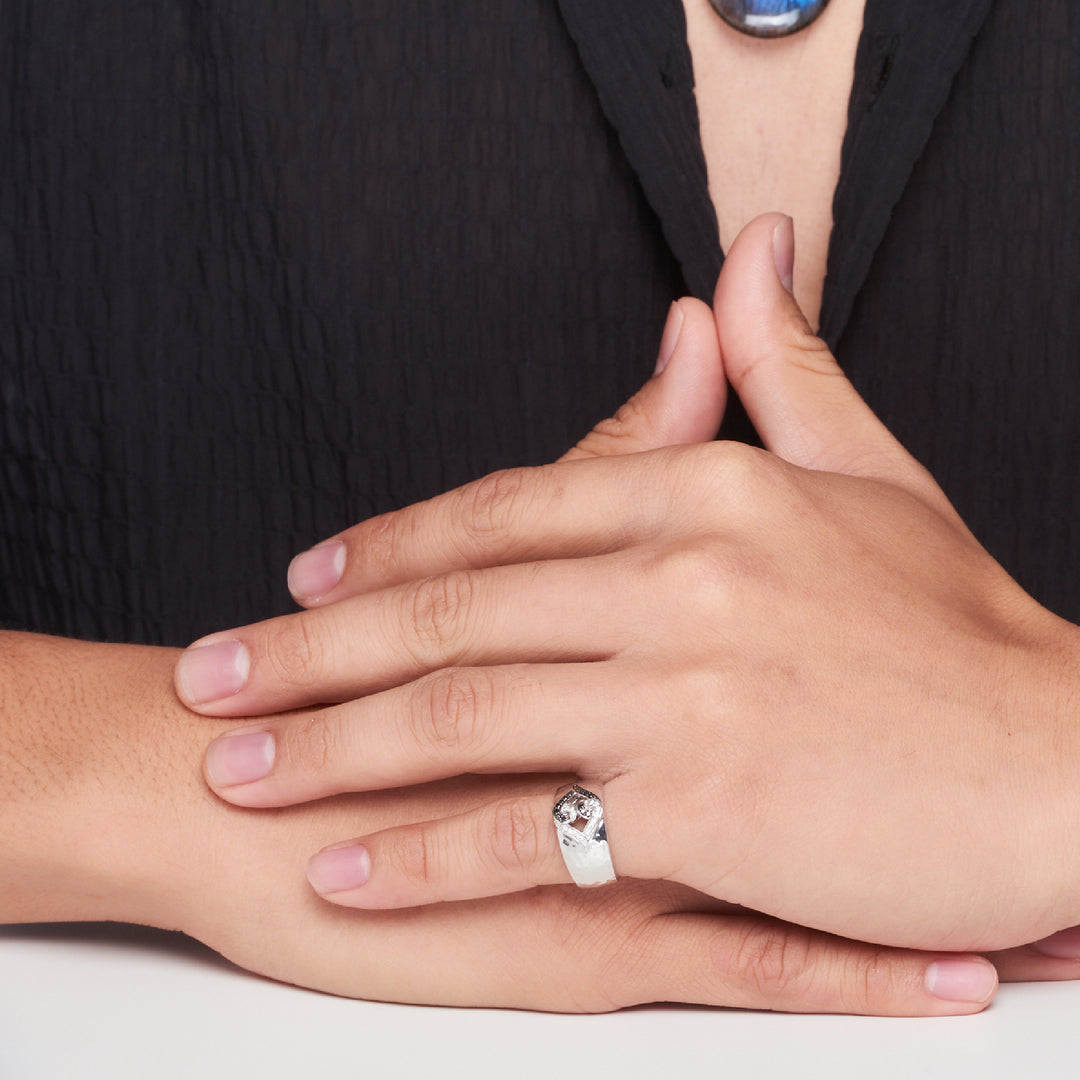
column 504, row 847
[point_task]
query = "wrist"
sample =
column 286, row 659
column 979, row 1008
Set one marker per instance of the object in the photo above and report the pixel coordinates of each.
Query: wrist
column 83, row 818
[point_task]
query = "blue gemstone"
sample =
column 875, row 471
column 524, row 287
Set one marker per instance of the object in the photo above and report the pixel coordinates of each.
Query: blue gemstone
column 769, row 18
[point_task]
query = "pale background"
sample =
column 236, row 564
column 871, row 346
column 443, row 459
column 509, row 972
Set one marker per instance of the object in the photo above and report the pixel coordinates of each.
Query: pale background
column 121, row 1002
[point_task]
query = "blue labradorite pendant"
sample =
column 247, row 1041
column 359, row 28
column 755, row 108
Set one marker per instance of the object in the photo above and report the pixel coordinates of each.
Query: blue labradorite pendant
column 769, row 18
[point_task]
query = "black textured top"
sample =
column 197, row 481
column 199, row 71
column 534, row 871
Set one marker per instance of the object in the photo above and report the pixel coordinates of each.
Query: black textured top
column 270, row 266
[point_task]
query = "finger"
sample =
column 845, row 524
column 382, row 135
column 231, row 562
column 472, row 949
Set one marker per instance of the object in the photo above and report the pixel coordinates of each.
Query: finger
column 768, row 964
column 572, row 950
column 801, row 403
column 581, row 507
column 452, row 722
column 682, row 403
column 378, row 640
column 504, row 847
column 742, row 961
column 508, row 845
column 1054, row 959
column 754, row 962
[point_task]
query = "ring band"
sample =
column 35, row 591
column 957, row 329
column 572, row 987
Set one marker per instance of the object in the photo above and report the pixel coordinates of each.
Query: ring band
column 579, row 824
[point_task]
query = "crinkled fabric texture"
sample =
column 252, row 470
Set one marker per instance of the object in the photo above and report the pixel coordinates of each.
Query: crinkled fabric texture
column 269, row 268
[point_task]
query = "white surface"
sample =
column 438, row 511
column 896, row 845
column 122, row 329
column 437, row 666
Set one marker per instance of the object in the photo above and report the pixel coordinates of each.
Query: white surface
column 104, row 1001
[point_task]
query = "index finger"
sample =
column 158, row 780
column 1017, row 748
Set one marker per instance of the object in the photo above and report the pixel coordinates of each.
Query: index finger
column 566, row 510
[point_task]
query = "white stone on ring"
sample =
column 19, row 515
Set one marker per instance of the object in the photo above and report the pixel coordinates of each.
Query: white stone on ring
column 579, row 824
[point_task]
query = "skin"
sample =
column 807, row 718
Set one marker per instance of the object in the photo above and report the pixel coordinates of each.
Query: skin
column 738, row 636
column 105, row 816
column 772, row 116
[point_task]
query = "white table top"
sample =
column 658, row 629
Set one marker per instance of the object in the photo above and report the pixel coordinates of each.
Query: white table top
column 121, row 1002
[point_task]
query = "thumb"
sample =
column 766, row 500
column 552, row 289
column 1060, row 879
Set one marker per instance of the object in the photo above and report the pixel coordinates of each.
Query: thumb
column 684, row 400
column 801, row 403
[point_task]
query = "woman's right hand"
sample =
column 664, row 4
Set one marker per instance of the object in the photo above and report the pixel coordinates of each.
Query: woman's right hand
column 555, row 948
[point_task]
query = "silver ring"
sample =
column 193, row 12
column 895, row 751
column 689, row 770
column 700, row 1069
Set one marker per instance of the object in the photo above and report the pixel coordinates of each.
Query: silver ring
column 579, row 824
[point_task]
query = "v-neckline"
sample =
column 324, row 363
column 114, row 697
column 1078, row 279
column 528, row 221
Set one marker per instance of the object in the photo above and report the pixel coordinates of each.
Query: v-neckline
column 636, row 53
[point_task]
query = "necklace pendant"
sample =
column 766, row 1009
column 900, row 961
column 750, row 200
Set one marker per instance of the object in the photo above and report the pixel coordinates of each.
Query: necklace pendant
column 769, row 18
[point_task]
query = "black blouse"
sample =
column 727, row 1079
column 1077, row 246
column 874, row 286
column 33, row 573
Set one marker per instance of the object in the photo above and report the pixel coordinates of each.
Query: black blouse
column 270, row 266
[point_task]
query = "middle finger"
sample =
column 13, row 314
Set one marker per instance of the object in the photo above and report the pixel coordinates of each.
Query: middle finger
column 563, row 610
column 518, row 718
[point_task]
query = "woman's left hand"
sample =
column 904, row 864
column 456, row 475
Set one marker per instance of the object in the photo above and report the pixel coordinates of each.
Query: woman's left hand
column 797, row 681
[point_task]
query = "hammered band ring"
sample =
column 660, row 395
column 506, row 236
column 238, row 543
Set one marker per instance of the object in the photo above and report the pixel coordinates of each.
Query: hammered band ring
column 579, row 825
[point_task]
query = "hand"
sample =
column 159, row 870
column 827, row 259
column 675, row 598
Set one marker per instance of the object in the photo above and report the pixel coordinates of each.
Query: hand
column 103, row 817
column 797, row 680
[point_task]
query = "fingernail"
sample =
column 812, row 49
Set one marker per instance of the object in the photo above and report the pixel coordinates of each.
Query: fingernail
column 783, row 247
column 208, row 673
column 672, row 329
column 346, row 866
column 1064, row 945
column 971, row 980
column 240, row 758
column 312, row 574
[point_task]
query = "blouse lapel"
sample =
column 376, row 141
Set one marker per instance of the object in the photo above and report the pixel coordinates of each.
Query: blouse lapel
column 907, row 59
column 636, row 54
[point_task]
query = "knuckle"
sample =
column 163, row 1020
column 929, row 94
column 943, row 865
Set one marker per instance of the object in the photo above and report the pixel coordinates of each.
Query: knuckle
column 440, row 610
column 739, row 470
column 514, row 832
column 868, row 983
column 295, row 649
column 773, row 961
column 749, row 488
column 707, row 575
column 488, row 507
column 381, row 546
column 811, row 352
column 414, row 856
column 792, row 966
column 724, row 475
column 450, row 709
column 632, row 421
column 686, row 569
column 309, row 746
column 798, row 347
